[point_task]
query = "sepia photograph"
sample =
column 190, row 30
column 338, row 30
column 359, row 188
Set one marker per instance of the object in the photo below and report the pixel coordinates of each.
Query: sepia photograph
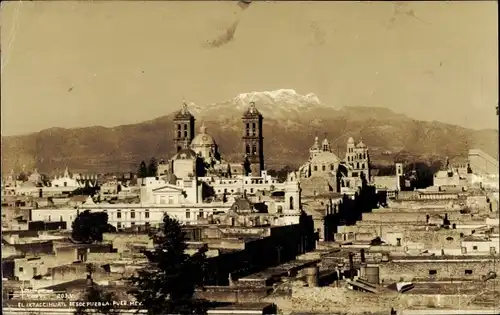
column 250, row 157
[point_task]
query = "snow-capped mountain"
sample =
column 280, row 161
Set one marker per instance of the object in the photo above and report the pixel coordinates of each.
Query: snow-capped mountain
column 277, row 104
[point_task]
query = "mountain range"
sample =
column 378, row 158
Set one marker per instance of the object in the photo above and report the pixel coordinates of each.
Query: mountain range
column 291, row 121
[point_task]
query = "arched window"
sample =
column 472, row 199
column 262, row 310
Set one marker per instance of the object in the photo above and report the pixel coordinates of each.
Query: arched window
column 332, row 167
column 315, row 167
column 254, row 150
column 291, row 202
column 178, row 127
column 247, row 149
column 185, row 133
column 185, row 126
column 323, row 168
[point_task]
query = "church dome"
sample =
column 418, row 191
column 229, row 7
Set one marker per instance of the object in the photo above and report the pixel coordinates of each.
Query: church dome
column 185, row 154
column 242, row 204
column 184, row 113
column 350, row 140
column 361, row 145
column 203, row 139
column 315, row 146
column 252, row 111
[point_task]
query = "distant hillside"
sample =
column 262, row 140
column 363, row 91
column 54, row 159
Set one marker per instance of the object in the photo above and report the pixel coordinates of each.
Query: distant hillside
column 291, row 122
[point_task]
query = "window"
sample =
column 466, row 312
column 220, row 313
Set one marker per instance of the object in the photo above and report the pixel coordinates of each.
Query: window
column 60, row 218
column 146, row 224
column 291, row 203
column 132, row 224
column 162, row 200
column 474, row 247
column 132, row 214
column 170, row 200
column 188, row 214
column 146, row 214
column 323, row 168
column 178, row 127
column 201, row 213
column 185, row 133
column 118, row 225
column 398, row 242
column 354, row 174
column 468, row 272
column 332, row 167
column 315, row 168
column 118, row 214
column 185, row 126
column 65, row 184
column 247, row 149
column 251, row 190
column 432, row 272
column 50, row 218
column 21, row 269
column 254, row 150
column 35, row 271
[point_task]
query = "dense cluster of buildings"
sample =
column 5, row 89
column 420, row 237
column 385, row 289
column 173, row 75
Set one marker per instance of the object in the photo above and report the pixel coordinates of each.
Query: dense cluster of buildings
column 331, row 237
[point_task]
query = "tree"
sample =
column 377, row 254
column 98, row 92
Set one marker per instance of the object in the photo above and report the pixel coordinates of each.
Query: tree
column 143, row 170
column 152, row 167
column 282, row 174
column 88, row 227
column 95, row 294
column 22, row 177
column 168, row 284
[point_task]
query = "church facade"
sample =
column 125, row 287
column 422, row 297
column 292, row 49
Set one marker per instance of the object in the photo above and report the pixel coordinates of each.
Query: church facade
column 197, row 155
column 325, row 172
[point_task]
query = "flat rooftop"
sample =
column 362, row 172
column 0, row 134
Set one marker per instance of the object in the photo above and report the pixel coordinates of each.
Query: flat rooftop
column 280, row 270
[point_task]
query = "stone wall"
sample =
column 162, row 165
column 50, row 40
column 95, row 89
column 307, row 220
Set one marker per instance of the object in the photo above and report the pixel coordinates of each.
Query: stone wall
column 337, row 299
column 446, row 268
column 232, row 294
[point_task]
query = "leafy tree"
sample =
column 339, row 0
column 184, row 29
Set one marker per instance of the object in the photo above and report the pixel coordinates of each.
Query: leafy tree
column 143, row 170
column 22, row 177
column 85, row 191
column 88, row 227
column 94, row 293
column 152, row 167
column 168, row 284
column 283, row 173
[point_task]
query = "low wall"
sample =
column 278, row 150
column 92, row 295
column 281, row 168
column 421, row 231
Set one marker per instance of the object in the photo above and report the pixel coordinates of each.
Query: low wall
column 446, row 268
column 337, row 299
column 232, row 294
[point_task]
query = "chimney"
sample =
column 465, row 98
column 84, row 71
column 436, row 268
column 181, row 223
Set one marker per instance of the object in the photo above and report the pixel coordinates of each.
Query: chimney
column 351, row 265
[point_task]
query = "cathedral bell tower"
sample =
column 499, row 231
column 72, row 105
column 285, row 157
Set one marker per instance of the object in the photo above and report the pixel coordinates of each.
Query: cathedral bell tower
column 253, row 141
column 184, row 127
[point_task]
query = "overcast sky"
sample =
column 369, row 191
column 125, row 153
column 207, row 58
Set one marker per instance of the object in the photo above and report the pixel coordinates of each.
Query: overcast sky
column 73, row 64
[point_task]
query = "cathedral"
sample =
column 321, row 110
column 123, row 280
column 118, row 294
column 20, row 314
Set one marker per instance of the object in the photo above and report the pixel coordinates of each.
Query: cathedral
column 197, row 155
column 325, row 172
